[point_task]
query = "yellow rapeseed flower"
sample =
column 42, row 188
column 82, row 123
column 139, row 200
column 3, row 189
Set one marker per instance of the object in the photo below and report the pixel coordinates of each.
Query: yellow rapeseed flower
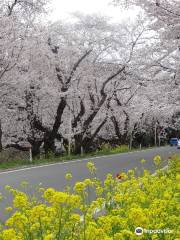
column 90, row 165
column 49, row 237
column 157, row 160
column 79, row 187
column 20, row 200
column 68, row 176
column 149, row 201
column 8, row 209
column 10, row 234
column 88, row 182
column 49, row 193
column 59, row 197
column 143, row 161
column 38, row 212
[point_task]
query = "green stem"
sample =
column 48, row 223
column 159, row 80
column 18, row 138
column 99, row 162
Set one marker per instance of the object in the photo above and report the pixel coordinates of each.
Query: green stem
column 41, row 231
column 84, row 218
column 60, row 223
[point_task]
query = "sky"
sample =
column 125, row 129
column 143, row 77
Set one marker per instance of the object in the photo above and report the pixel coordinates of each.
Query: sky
column 61, row 9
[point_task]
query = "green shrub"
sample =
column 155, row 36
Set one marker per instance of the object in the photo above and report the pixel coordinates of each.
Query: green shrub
column 105, row 148
column 120, row 149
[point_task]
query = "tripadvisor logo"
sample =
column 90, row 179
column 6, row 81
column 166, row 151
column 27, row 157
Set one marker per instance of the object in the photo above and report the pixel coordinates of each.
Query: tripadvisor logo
column 138, row 231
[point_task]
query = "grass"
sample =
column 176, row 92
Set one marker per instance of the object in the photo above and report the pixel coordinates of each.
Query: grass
column 105, row 149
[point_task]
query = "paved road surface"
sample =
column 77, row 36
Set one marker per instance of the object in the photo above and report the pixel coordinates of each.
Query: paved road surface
column 53, row 175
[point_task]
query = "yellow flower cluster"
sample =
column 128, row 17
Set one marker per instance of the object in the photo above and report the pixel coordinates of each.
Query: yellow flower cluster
column 117, row 208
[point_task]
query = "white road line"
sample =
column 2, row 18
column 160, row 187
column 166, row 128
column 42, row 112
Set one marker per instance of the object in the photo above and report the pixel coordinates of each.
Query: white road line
column 72, row 161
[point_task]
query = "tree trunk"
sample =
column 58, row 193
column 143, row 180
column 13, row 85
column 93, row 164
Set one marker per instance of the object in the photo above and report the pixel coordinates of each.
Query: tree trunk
column 36, row 149
column 35, row 145
column 78, row 143
column 87, row 143
column 117, row 130
column 0, row 136
column 49, row 143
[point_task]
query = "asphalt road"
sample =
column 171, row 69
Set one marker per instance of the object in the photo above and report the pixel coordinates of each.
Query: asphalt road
column 53, row 175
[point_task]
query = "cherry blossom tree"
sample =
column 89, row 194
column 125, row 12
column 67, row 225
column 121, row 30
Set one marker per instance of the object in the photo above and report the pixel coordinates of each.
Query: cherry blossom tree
column 17, row 19
column 96, row 62
column 164, row 17
column 86, row 80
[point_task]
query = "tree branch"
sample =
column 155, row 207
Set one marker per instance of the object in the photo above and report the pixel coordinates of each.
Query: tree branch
column 76, row 65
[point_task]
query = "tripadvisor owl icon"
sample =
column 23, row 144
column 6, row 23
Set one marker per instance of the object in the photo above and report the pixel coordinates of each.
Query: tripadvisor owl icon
column 138, row 231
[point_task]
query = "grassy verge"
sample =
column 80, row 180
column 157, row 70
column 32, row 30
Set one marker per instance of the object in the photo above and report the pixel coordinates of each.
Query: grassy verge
column 105, row 150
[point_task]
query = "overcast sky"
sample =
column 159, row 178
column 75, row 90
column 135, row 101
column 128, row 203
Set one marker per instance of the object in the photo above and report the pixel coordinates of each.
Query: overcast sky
column 63, row 8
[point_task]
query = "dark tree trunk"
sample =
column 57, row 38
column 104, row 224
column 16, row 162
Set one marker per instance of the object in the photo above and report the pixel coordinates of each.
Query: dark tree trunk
column 78, row 143
column 35, row 145
column 122, row 138
column 126, row 128
column 65, row 144
column 0, row 136
column 103, row 99
column 116, row 128
column 50, row 136
column 58, row 118
column 49, row 143
column 87, row 143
